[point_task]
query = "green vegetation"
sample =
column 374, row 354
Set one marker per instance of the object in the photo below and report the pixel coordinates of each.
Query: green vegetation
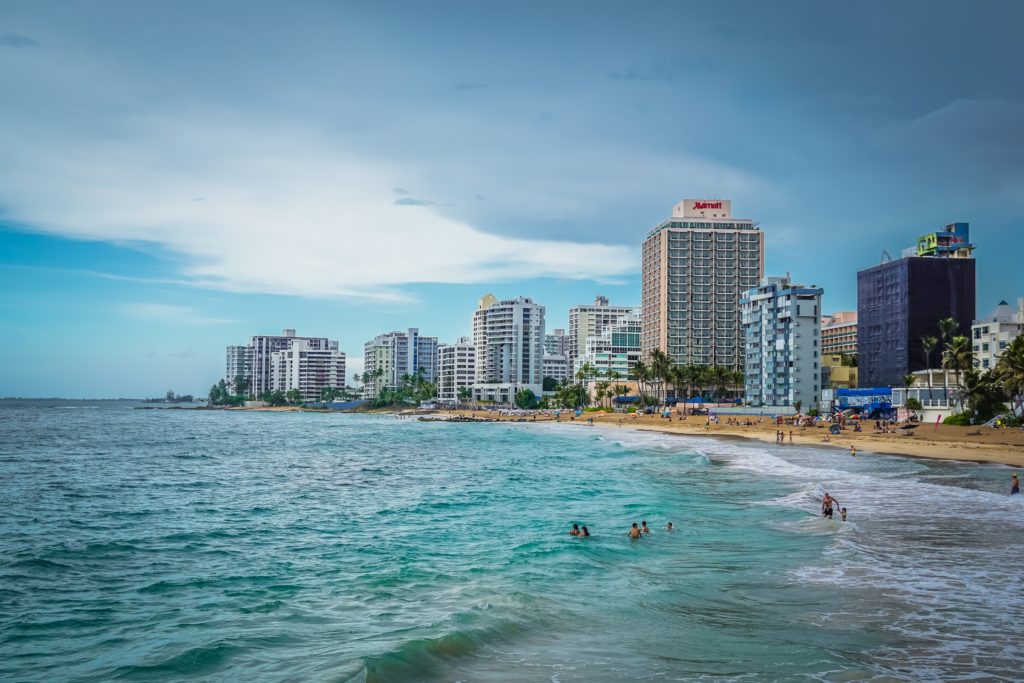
column 526, row 399
column 914, row 404
column 412, row 389
column 960, row 419
column 220, row 395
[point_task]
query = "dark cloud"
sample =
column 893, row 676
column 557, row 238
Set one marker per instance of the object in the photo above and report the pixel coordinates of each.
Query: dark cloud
column 412, row 201
column 469, row 86
column 401, row 191
column 16, row 40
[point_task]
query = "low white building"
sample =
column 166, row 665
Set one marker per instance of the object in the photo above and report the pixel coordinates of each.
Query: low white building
column 309, row 369
column 615, row 351
column 782, row 329
column 456, row 369
column 556, row 367
column 990, row 336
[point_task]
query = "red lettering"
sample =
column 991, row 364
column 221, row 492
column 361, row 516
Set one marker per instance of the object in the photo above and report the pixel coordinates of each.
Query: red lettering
column 707, row 205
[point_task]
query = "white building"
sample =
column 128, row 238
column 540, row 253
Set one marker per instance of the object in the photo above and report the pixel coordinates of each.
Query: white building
column 556, row 343
column 696, row 266
column 309, row 369
column 238, row 364
column 263, row 346
column 398, row 354
column 616, row 350
column 782, row 328
column 591, row 321
column 991, row 335
column 556, row 366
column 456, row 368
column 509, row 340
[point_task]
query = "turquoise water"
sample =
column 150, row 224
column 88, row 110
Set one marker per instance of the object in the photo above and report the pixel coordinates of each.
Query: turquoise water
column 160, row 545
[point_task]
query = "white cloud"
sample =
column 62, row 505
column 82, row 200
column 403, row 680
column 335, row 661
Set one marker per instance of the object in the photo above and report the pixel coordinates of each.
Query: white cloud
column 179, row 315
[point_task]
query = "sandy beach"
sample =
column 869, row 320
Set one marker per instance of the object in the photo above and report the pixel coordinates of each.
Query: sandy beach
column 945, row 442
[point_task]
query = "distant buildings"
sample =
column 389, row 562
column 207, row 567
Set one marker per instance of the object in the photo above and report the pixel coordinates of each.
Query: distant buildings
column 238, row 366
column 991, row 335
column 696, row 265
column 900, row 302
column 556, row 343
column 260, row 351
column 836, row 372
column 615, row 350
column 839, row 333
column 389, row 357
column 456, row 368
column 309, row 369
column 509, row 340
column 782, row 329
column 556, row 367
column 591, row 321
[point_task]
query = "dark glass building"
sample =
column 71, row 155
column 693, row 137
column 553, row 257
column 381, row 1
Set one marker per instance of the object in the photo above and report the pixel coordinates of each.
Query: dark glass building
column 899, row 303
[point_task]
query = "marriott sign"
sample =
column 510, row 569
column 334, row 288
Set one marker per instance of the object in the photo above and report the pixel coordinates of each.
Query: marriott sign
column 703, row 208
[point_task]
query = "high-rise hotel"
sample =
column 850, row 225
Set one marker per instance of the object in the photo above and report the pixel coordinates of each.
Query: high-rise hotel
column 696, row 266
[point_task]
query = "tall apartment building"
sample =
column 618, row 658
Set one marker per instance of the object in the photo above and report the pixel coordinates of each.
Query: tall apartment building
column 238, row 364
column 990, row 336
column 556, row 343
column 306, row 368
column 509, row 340
column 262, row 347
column 696, row 266
column 839, row 333
column 556, row 366
column 782, row 329
column 456, row 368
column 591, row 321
column 398, row 354
column 899, row 302
column 616, row 350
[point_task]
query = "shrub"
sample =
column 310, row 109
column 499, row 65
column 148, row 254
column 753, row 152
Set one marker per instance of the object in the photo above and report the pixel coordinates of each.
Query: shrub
column 961, row 419
column 913, row 404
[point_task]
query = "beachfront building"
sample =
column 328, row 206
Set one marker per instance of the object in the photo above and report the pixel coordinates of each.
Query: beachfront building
column 836, row 370
column 591, row 321
column 839, row 333
column 556, row 343
column 307, row 368
column 456, row 369
column 615, row 351
column 261, row 349
column 556, row 367
column 238, row 365
column 390, row 357
column 899, row 302
column 990, row 336
column 782, row 330
column 509, row 340
column 696, row 266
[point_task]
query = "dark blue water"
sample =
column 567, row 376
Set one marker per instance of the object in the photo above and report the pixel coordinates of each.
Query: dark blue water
column 158, row 545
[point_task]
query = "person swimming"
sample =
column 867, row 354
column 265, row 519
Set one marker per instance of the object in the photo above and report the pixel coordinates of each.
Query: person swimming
column 842, row 513
column 669, row 527
column 826, row 505
column 575, row 530
column 644, row 528
column 584, row 532
column 634, row 532
column 1014, row 484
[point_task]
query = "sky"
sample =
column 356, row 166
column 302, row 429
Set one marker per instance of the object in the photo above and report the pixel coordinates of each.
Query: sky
column 175, row 177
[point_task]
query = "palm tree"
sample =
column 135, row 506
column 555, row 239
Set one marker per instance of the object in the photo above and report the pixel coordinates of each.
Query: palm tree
column 720, row 376
column 661, row 366
column 928, row 346
column 601, row 391
column 1009, row 373
column 642, row 373
column 908, row 380
column 958, row 357
column 947, row 329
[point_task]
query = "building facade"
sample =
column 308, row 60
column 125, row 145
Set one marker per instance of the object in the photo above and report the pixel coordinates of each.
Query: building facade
column 782, row 329
column 615, row 351
column 262, row 347
column 238, row 364
column 556, row 343
column 835, row 372
column 839, row 333
column 389, row 357
column 509, row 340
column 990, row 336
column 900, row 302
column 456, row 369
column 308, row 369
column 696, row 266
column 591, row 321
column 556, row 366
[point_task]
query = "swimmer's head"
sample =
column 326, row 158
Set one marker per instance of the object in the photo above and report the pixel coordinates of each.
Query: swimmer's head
column 634, row 525
column 575, row 527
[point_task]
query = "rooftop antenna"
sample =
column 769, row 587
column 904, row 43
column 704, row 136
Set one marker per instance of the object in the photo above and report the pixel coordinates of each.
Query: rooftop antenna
column 886, row 256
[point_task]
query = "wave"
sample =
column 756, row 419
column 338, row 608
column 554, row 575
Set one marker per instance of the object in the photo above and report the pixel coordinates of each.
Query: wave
column 195, row 661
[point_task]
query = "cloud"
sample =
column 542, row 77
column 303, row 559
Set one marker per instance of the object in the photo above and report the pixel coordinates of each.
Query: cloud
column 16, row 41
column 400, row 191
column 180, row 315
column 411, row 201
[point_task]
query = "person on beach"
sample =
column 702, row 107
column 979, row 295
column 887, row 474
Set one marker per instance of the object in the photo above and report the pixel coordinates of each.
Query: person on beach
column 1014, row 484
column 826, row 505
column 853, row 451
column 842, row 513
column 575, row 530
column 669, row 527
column 790, row 437
column 644, row 528
column 634, row 532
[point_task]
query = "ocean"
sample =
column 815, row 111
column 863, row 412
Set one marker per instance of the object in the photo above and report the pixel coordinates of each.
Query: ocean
column 171, row 545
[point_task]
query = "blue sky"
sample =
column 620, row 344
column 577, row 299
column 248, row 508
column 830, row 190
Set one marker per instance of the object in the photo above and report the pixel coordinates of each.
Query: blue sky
column 175, row 177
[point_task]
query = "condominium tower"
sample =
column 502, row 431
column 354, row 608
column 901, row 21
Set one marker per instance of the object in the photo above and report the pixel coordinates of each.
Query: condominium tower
column 509, row 340
column 389, row 357
column 696, row 266
column 309, row 370
column 991, row 335
column 839, row 333
column 782, row 327
column 456, row 368
column 591, row 321
column 263, row 346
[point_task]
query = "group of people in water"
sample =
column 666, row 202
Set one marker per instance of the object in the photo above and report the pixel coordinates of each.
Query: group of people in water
column 634, row 531
column 827, row 503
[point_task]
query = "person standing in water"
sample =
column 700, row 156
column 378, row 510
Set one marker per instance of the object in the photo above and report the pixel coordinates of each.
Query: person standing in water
column 853, row 451
column 644, row 528
column 575, row 530
column 842, row 513
column 826, row 505
column 669, row 527
column 1014, row 484
column 634, row 531
column 584, row 532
